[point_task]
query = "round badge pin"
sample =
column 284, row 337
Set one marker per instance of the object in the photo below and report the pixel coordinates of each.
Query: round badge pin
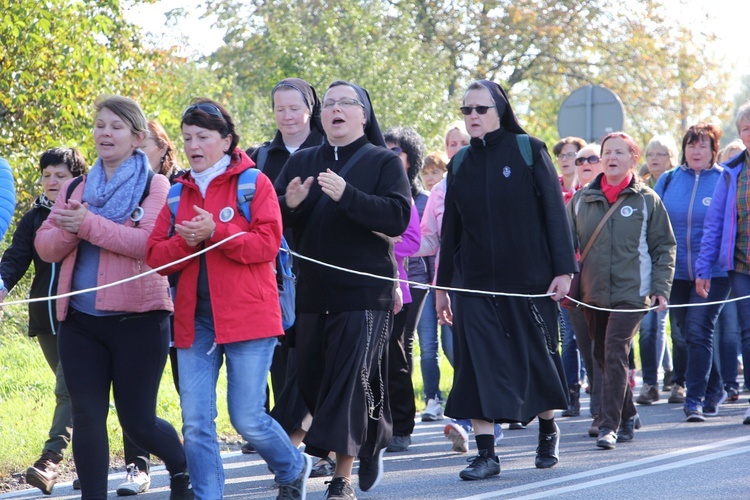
column 506, row 171
column 626, row 211
column 137, row 214
column 706, row 201
column 226, row 214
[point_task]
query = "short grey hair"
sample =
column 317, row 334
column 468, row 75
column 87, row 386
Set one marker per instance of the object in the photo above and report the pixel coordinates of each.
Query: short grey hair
column 743, row 114
column 666, row 142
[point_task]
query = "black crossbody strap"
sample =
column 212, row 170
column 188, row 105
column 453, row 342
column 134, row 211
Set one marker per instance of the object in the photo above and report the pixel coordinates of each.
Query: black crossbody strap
column 324, row 198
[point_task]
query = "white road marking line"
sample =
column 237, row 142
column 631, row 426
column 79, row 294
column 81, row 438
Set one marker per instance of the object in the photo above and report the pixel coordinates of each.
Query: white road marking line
column 622, row 466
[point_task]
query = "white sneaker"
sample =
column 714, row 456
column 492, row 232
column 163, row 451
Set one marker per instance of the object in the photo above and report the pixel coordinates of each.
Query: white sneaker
column 136, row 481
column 747, row 417
column 433, row 412
column 458, row 436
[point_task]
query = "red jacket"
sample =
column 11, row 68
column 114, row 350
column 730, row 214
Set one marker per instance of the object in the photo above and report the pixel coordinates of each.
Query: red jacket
column 241, row 272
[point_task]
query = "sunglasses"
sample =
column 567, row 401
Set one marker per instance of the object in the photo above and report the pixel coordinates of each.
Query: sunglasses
column 583, row 159
column 396, row 150
column 206, row 107
column 481, row 110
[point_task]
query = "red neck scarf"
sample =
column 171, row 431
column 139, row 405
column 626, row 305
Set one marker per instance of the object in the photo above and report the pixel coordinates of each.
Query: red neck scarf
column 612, row 192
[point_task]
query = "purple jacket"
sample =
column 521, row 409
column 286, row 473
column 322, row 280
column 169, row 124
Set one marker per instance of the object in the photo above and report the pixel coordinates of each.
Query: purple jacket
column 720, row 224
column 407, row 247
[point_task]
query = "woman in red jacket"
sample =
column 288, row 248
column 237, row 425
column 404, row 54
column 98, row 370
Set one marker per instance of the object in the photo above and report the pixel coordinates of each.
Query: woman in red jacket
column 227, row 304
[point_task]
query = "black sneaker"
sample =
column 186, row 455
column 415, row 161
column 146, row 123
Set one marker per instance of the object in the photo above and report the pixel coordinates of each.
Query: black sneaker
column 399, row 443
column 180, row 487
column 247, row 449
column 574, row 406
column 339, row 488
column 693, row 412
column 297, row 490
column 626, row 432
column 323, row 468
column 480, row 467
column 371, row 471
column 711, row 404
column 76, row 484
column 548, row 451
column 43, row 474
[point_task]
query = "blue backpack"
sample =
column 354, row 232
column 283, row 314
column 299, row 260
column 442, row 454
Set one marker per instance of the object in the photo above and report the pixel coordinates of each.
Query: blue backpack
column 284, row 275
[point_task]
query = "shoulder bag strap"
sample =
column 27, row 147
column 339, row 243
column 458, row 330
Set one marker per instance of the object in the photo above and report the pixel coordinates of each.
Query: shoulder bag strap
column 601, row 226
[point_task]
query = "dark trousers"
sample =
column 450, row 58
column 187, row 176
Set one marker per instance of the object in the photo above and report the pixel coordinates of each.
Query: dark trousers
column 400, row 360
column 125, row 353
column 62, row 421
column 586, row 348
column 612, row 333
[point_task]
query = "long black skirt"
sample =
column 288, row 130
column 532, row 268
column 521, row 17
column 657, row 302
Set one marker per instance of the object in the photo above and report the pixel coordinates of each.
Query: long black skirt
column 343, row 366
column 507, row 365
column 289, row 409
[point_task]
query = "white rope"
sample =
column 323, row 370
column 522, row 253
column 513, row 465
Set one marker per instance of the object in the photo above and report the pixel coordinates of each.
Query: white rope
column 362, row 273
column 120, row 282
column 507, row 294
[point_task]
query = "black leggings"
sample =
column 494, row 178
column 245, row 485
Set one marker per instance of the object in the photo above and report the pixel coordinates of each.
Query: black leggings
column 126, row 353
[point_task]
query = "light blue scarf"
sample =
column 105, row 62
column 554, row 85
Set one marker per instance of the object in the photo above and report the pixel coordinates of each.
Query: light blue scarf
column 117, row 198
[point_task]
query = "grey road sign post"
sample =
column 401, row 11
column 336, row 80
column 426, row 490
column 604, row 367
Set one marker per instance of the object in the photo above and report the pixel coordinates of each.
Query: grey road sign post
column 590, row 112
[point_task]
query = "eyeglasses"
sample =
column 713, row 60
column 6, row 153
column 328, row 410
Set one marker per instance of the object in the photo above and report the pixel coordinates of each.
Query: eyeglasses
column 344, row 102
column 566, row 156
column 656, row 155
column 206, row 107
column 583, row 159
column 481, row 110
column 396, row 150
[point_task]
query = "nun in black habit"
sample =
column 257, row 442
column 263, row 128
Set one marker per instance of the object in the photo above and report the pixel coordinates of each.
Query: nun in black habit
column 504, row 230
column 337, row 198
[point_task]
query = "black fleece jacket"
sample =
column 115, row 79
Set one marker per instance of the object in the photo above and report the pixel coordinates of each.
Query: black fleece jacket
column 376, row 199
column 16, row 261
column 278, row 154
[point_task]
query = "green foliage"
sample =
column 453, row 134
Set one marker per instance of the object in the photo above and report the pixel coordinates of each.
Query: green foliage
column 367, row 43
column 416, row 56
column 56, row 60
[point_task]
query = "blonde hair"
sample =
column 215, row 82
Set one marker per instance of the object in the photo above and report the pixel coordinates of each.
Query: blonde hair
column 436, row 160
column 730, row 151
column 127, row 109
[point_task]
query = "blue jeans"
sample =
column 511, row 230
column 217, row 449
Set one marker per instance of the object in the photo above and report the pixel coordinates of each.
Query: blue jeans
column 571, row 358
column 427, row 329
column 653, row 343
column 728, row 344
column 248, row 364
column 697, row 324
column 741, row 288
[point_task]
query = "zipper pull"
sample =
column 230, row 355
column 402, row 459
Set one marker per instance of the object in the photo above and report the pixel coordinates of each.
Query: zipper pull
column 336, row 153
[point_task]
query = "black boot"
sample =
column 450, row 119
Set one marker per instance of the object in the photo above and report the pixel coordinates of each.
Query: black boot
column 574, row 406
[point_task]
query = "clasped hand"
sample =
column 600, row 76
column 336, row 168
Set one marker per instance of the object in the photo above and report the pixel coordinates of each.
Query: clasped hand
column 197, row 229
column 70, row 217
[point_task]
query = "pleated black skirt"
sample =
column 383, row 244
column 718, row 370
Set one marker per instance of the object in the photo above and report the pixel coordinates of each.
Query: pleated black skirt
column 342, row 366
column 507, row 366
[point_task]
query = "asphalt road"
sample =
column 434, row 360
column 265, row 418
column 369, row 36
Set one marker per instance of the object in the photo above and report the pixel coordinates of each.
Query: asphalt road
column 669, row 458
